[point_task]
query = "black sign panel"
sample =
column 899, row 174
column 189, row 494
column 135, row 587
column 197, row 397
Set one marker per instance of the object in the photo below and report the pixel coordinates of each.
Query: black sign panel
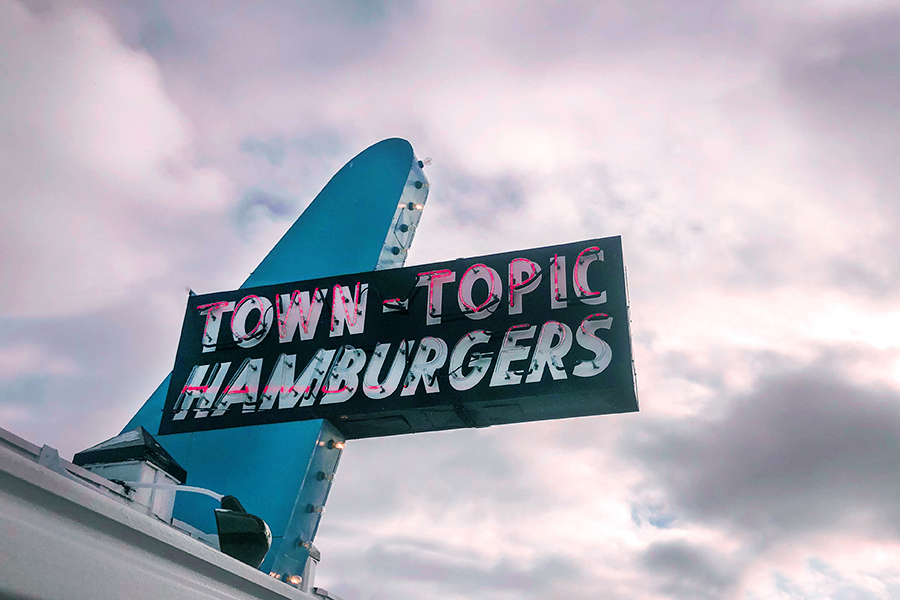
column 519, row 336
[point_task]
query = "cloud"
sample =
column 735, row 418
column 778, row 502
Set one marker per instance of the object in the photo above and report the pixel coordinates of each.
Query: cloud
column 819, row 579
column 81, row 377
column 25, row 358
column 93, row 155
column 499, row 486
column 481, row 202
column 463, row 571
column 270, row 205
column 685, row 570
column 804, row 453
column 273, row 151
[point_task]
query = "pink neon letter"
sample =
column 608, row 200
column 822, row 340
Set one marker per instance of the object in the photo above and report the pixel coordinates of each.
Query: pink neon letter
column 519, row 285
column 466, row 283
column 558, row 290
column 213, row 314
column 435, row 279
column 579, row 276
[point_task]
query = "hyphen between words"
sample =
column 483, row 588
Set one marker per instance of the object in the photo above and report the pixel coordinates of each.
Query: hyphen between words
column 336, row 375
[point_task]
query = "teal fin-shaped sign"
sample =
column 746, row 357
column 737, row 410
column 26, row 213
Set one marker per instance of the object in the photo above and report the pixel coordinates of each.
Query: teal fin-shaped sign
column 364, row 219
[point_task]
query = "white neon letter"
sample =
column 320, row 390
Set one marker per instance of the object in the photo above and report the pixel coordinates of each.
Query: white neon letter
column 509, row 352
column 195, row 389
column 242, row 389
column 343, row 380
column 372, row 387
column 213, row 314
column 354, row 316
column 546, row 353
column 303, row 389
column 430, row 356
column 248, row 304
column 478, row 363
column 585, row 337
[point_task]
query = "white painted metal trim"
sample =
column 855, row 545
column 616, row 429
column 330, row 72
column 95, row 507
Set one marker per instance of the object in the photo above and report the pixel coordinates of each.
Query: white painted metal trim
column 61, row 540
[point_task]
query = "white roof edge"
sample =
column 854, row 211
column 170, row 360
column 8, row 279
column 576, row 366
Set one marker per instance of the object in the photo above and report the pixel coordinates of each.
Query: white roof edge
column 72, row 543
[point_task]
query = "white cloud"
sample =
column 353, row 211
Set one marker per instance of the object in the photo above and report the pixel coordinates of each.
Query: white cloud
column 92, row 154
column 30, row 359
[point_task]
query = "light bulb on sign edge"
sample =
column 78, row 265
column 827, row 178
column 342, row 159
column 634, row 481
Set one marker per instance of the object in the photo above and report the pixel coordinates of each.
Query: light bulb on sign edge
column 295, row 580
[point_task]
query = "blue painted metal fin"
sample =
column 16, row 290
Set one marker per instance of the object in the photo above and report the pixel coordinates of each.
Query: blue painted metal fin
column 343, row 229
column 351, row 226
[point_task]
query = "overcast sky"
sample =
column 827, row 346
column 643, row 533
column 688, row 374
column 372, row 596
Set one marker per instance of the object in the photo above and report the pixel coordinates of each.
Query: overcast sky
column 747, row 153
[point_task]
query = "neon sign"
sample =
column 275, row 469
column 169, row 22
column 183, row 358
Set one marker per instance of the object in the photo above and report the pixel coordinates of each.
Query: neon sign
column 396, row 354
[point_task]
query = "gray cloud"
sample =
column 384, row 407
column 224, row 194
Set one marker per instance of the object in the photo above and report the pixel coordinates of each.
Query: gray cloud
column 843, row 86
column 273, row 150
column 689, row 571
column 480, row 201
column 450, row 574
column 258, row 202
column 90, row 372
column 307, row 36
column 805, row 452
column 547, row 33
column 470, row 470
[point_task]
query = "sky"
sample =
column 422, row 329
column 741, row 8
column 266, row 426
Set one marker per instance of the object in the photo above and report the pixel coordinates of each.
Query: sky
column 746, row 153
